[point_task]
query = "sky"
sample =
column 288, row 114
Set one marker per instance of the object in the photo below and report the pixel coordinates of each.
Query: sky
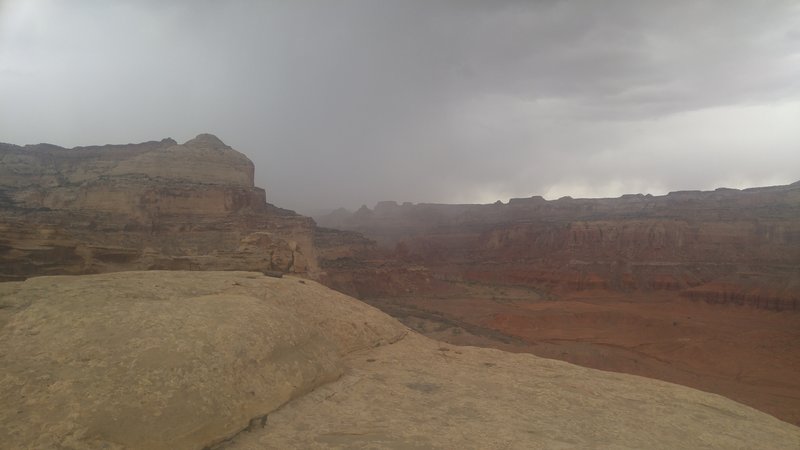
column 344, row 103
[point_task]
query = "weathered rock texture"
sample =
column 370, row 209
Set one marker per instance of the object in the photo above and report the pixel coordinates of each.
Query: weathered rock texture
column 167, row 359
column 721, row 246
column 186, row 360
column 156, row 205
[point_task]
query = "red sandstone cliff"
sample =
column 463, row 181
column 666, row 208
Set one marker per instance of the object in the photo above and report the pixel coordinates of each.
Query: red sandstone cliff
column 738, row 246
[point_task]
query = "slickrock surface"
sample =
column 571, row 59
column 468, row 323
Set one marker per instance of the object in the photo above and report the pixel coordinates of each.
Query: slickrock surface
column 167, row 360
column 421, row 394
column 187, row 360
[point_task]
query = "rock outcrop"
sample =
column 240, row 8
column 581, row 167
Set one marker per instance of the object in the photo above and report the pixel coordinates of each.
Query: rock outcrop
column 163, row 360
column 155, row 205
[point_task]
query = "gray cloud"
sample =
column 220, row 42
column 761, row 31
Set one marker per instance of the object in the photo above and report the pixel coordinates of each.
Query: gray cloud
column 350, row 102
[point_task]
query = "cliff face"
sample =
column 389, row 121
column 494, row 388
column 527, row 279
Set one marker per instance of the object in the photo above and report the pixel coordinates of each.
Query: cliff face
column 155, row 205
column 142, row 181
column 720, row 246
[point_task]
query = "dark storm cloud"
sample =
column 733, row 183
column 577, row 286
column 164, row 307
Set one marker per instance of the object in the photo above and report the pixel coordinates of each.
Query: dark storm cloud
column 350, row 102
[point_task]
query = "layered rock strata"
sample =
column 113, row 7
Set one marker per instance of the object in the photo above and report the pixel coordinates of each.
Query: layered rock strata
column 727, row 246
column 155, row 205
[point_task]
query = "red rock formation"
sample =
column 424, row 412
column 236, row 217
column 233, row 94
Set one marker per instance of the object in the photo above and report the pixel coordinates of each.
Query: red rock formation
column 683, row 241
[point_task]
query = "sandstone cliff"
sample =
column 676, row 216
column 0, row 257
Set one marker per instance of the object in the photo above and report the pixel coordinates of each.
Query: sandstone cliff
column 155, row 205
column 720, row 246
column 167, row 360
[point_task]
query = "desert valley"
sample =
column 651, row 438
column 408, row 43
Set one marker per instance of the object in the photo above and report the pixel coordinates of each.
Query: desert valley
column 185, row 343
column 696, row 288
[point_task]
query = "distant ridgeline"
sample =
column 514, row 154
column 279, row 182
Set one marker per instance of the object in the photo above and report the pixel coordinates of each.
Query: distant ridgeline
column 728, row 245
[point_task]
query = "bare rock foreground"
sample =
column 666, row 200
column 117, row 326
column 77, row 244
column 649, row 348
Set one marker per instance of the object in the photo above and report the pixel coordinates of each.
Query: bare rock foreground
column 174, row 360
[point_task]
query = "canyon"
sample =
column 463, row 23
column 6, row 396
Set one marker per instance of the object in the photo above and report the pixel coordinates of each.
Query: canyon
column 696, row 288
column 721, row 246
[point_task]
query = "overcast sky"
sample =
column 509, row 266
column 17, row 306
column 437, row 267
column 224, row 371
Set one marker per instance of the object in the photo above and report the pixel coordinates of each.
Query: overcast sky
column 343, row 103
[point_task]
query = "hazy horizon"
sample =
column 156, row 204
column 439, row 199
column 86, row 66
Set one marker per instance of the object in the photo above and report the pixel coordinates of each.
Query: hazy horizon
column 341, row 104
